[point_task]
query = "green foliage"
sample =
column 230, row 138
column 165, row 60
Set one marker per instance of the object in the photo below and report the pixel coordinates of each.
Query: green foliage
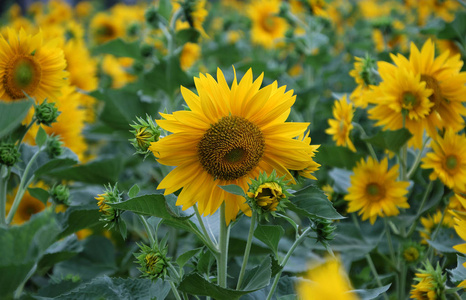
column 312, row 202
column 336, row 156
column 270, row 235
column 391, row 140
column 119, row 48
column 12, row 114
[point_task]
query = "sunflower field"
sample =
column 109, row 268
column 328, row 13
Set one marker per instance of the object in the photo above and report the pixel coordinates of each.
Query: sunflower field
column 233, row 149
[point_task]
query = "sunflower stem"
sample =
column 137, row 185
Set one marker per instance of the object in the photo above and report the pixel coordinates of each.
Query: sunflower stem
column 22, row 187
column 208, row 239
column 24, row 134
column 285, row 260
column 223, row 245
column 389, row 240
column 430, row 251
column 153, row 241
column 419, row 212
column 364, row 136
column 4, row 175
column 175, row 291
column 247, row 250
column 376, row 275
column 417, row 160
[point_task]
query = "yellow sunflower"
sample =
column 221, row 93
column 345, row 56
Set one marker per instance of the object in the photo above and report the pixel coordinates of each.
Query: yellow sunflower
column 116, row 68
column 105, row 27
column 460, row 228
column 431, row 222
column 424, row 289
column 82, row 67
column 448, row 160
column 267, row 26
column 327, row 281
column 444, row 77
column 29, row 65
column 190, row 53
column 340, row 126
column 374, row 190
column 401, row 99
column 228, row 136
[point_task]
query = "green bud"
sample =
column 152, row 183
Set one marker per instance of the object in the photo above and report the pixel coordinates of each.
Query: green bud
column 60, row 194
column 153, row 262
column 413, row 253
column 145, row 132
column 138, row 67
column 133, row 29
column 46, row 113
column 152, row 17
column 9, row 155
column 368, row 73
column 110, row 216
column 147, row 50
column 54, row 146
column 324, row 229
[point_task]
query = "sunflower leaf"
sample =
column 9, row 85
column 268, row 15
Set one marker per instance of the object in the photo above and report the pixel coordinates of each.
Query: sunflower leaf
column 312, row 202
column 391, row 140
column 41, row 137
column 12, row 114
column 119, row 48
column 269, row 235
column 259, row 276
column 40, row 194
column 372, row 293
column 458, row 274
column 233, row 189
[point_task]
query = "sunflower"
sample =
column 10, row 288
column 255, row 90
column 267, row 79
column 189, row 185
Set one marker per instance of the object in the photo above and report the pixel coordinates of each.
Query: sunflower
column 228, row 136
column 432, row 221
column 341, row 126
column 28, row 65
column 116, row 68
column 374, row 190
column 189, row 55
column 444, row 77
column 460, row 228
column 327, row 281
column 448, row 160
column 82, row 67
column 267, row 26
column 105, row 27
column 401, row 99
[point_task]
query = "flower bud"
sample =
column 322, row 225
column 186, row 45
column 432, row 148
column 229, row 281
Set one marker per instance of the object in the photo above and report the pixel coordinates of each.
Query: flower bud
column 147, row 50
column 109, row 215
column 46, row 113
column 9, row 155
column 324, row 229
column 145, row 133
column 412, row 252
column 152, row 17
column 153, row 262
column 431, row 283
column 60, row 194
column 133, row 29
column 54, row 146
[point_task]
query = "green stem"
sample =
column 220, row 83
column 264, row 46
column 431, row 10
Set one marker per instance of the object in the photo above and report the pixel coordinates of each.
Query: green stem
column 389, row 240
column 417, row 160
column 175, row 291
column 206, row 233
column 4, row 175
column 285, row 260
column 170, row 265
column 212, row 248
column 419, row 212
column 374, row 272
column 223, row 245
column 247, row 250
column 364, row 136
column 24, row 134
column 153, row 241
column 22, row 187
column 430, row 251
column 19, row 289
column 404, row 160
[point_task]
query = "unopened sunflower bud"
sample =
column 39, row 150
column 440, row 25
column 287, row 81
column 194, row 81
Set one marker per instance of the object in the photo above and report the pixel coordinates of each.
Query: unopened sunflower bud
column 46, row 113
column 431, row 283
column 152, row 17
column 145, row 132
column 412, row 252
column 133, row 29
column 60, row 194
column 268, row 194
column 9, row 155
column 147, row 50
column 109, row 215
column 324, row 229
column 367, row 70
column 54, row 146
column 153, row 262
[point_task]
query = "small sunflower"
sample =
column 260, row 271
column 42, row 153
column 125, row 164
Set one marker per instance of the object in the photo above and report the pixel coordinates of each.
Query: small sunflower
column 229, row 135
column 341, row 126
column 431, row 222
column 117, row 69
column 443, row 76
column 374, row 190
column 29, row 65
column 267, row 26
column 448, row 160
column 105, row 27
column 364, row 77
column 401, row 99
column 327, row 281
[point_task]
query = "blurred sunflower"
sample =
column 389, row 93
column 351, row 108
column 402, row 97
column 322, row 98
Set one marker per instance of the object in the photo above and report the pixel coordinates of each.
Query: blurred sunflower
column 401, row 100
column 448, row 160
column 362, row 74
column 341, row 126
column 105, row 27
column 228, row 136
column 374, row 190
column 27, row 207
column 81, row 66
column 444, row 77
column 267, row 26
column 29, row 65
column 190, row 53
column 430, row 222
column 326, row 281
column 117, row 68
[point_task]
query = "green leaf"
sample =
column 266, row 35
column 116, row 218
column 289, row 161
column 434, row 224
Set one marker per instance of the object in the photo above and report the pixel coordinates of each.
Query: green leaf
column 78, row 217
column 258, row 277
column 205, row 262
column 41, row 137
column 185, row 257
column 40, row 194
column 133, row 191
column 12, row 114
column 335, row 156
column 372, row 293
column 445, row 240
column 59, row 251
column 269, row 235
column 456, row 29
column 67, row 159
column 195, row 284
column 233, row 189
column 166, row 76
column 391, row 140
column 312, row 202
column 458, row 274
column 119, row 48
column 189, row 35
column 165, row 9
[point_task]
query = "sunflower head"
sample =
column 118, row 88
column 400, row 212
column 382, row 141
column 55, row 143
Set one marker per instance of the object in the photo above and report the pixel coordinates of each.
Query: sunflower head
column 341, row 125
column 9, row 154
column 152, row 261
column 431, row 283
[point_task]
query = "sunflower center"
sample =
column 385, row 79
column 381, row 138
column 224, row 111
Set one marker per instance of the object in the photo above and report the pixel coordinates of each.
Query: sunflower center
column 23, row 73
column 433, row 84
column 375, row 191
column 409, row 100
column 451, row 162
column 268, row 23
column 231, row 148
column 106, row 30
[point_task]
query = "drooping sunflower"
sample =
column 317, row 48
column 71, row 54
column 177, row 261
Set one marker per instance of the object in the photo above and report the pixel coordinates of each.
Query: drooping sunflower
column 375, row 191
column 448, row 160
column 27, row 64
column 327, row 281
column 363, row 77
column 402, row 99
column 443, row 76
column 340, row 126
column 267, row 26
column 229, row 136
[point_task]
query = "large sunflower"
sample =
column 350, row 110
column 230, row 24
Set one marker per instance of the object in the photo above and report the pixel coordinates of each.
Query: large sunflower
column 448, row 160
column 28, row 65
column 229, row 136
column 267, row 26
column 374, row 190
column 444, row 77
